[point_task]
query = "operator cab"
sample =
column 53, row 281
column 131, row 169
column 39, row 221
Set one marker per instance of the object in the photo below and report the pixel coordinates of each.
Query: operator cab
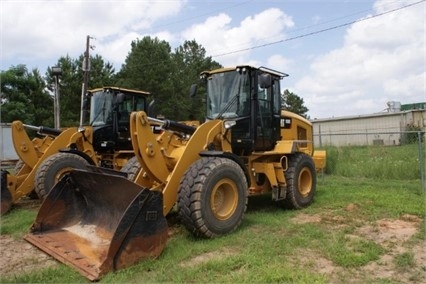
column 251, row 97
column 110, row 109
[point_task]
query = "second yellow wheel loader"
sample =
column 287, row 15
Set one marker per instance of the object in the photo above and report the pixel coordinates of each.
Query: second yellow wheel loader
column 99, row 221
column 102, row 141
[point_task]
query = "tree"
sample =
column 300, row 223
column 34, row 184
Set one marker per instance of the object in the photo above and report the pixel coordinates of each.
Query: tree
column 147, row 68
column 24, row 97
column 188, row 61
column 151, row 66
column 293, row 103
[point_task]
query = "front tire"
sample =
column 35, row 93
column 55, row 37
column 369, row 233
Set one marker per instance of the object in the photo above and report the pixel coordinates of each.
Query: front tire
column 132, row 168
column 53, row 169
column 301, row 182
column 212, row 197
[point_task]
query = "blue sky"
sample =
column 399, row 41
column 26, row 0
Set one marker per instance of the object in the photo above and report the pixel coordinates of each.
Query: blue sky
column 351, row 70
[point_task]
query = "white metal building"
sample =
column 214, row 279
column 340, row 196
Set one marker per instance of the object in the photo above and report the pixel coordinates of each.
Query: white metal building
column 386, row 128
column 7, row 151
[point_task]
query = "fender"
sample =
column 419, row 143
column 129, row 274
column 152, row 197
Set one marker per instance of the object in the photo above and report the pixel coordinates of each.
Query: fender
column 80, row 153
column 231, row 156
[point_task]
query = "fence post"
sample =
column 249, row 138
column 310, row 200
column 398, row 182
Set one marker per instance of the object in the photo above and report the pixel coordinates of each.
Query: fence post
column 421, row 162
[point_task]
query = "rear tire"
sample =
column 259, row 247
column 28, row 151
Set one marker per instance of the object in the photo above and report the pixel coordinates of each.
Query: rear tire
column 132, row 167
column 18, row 166
column 212, row 197
column 301, row 182
column 53, row 169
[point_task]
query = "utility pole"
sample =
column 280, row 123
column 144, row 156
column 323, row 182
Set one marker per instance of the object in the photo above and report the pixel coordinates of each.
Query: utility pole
column 56, row 72
column 86, row 70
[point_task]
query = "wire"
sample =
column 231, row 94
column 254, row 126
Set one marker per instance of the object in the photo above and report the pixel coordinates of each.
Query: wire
column 319, row 31
column 299, row 29
column 199, row 16
column 306, row 34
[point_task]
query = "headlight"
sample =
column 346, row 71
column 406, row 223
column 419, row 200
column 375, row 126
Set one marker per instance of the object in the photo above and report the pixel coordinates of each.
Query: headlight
column 229, row 123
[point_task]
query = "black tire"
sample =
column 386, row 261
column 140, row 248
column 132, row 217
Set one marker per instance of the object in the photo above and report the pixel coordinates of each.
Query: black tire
column 53, row 169
column 132, row 167
column 301, row 182
column 18, row 166
column 212, row 197
column 5, row 195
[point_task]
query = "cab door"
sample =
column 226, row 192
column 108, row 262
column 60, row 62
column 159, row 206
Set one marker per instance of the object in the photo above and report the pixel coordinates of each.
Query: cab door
column 267, row 126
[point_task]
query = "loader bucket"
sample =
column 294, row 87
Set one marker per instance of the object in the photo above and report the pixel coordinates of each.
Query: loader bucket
column 6, row 196
column 97, row 223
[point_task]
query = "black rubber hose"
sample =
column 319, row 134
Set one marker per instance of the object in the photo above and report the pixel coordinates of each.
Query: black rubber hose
column 176, row 126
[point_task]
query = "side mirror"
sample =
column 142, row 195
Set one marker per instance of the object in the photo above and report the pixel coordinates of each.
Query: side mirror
column 151, row 109
column 193, row 90
column 119, row 98
column 265, row 80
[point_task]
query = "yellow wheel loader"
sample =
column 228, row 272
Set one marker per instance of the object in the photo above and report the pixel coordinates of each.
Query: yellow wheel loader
column 102, row 141
column 99, row 221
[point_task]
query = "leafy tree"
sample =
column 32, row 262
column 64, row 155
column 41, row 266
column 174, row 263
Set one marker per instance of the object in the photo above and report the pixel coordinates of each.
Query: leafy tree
column 147, row 68
column 24, row 97
column 188, row 61
column 293, row 103
column 151, row 66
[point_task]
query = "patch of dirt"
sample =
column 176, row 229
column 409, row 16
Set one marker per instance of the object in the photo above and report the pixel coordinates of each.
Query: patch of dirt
column 392, row 235
column 28, row 203
column 208, row 256
column 303, row 218
column 18, row 257
column 388, row 232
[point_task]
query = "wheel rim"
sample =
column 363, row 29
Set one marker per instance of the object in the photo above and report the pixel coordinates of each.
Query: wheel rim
column 59, row 174
column 224, row 199
column 305, row 182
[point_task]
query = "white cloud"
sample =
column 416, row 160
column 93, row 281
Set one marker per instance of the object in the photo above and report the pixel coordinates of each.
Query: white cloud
column 49, row 29
column 381, row 59
column 219, row 37
column 112, row 51
column 279, row 63
column 405, row 87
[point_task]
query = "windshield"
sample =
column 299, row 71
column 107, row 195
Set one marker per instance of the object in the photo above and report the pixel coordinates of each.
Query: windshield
column 101, row 108
column 103, row 103
column 228, row 95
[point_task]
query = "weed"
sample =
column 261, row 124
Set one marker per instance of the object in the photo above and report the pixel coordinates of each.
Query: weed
column 404, row 261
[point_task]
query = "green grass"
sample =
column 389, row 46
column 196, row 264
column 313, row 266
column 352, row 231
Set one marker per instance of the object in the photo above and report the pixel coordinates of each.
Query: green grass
column 271, row 245
column 392, row 162
column 17, row 222
column 404, row 260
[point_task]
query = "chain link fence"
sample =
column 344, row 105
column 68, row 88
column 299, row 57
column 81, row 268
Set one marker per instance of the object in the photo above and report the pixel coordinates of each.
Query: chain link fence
column 377, row 149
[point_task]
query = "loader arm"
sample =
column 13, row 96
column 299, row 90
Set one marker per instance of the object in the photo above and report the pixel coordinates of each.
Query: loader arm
column 146, row 148
column 83, row 140
column 150, row 153
column 22, row 183
column 23, row 144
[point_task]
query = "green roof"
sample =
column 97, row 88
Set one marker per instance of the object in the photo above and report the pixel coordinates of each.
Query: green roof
column 413, row 106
